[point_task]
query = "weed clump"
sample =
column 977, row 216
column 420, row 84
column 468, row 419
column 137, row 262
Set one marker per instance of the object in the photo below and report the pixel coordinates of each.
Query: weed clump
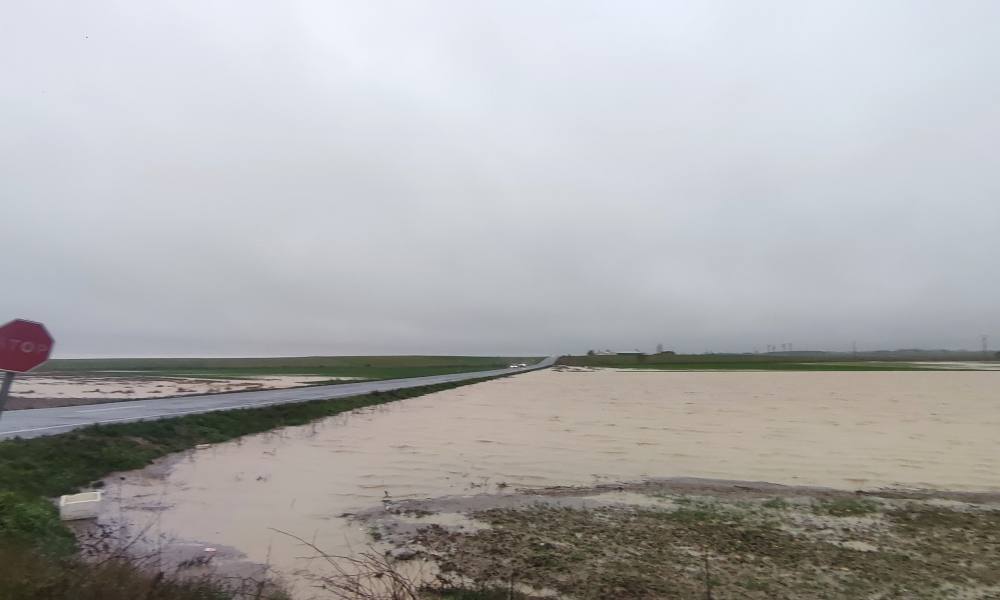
column 846, row 507
column 30, row 575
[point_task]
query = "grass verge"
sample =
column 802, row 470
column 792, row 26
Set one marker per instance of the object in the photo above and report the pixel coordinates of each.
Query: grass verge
column 28, row 575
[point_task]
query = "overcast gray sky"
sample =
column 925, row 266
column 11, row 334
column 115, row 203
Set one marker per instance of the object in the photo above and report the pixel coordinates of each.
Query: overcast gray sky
column 265, row 178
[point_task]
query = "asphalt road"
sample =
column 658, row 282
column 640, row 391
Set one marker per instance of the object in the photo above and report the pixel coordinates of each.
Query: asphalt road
column 49, row 421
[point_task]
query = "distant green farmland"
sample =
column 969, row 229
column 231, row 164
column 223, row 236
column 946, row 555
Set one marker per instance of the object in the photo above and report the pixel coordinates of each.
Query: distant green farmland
column 367, row 367
column 754, row 362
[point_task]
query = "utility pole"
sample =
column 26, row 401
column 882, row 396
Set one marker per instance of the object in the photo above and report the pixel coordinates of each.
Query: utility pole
column 986, row 343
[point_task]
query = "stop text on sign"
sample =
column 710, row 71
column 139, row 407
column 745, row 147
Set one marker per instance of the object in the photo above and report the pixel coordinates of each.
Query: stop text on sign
column 25, row 346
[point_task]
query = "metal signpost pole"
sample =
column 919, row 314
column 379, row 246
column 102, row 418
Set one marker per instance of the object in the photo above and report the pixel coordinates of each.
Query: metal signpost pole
column 8, row 379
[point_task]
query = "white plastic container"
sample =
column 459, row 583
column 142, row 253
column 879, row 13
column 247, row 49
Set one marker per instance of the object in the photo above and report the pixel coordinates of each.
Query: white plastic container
column 79, row 506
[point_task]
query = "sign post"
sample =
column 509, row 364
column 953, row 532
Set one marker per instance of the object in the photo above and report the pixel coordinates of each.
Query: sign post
column 23, row 346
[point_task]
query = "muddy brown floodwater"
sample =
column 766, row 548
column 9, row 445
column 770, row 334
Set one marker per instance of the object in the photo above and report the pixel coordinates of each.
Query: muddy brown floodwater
column 845, row 430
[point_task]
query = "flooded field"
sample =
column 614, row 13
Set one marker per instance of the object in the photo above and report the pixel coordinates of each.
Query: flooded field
column 846, row 430
column 43, row 391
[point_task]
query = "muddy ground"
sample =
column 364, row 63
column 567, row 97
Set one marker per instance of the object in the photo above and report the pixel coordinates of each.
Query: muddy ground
column 705, row 539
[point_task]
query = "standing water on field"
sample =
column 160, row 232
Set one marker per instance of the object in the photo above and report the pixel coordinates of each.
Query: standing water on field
column 850, row 430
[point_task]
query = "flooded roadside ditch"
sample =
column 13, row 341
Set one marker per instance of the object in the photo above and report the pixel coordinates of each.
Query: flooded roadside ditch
column 842, row 430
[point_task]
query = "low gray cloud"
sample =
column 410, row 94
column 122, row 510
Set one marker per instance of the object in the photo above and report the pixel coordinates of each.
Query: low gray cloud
column 247, row 178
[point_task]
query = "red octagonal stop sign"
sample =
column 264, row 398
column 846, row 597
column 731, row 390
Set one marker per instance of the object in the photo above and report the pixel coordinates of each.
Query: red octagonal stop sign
column 23, row 345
